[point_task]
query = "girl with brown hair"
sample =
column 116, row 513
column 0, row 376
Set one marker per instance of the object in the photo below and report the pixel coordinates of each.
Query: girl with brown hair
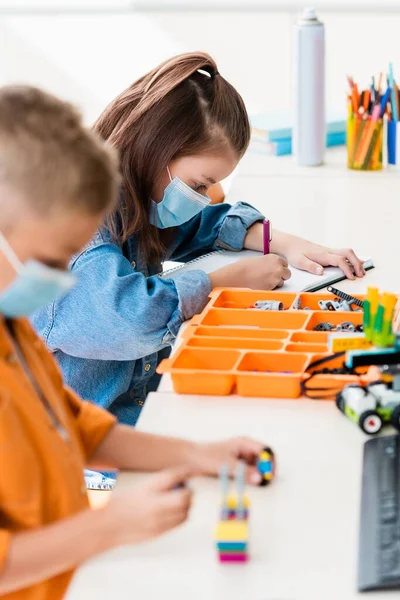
column 178, row 130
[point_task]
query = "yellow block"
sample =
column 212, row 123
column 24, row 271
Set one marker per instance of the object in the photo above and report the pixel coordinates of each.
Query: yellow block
column 232, row 501
column 373, row 298
column 342, row 344
column 389, row 302
column 232, row 531
column 265, row 455
column 387, row 378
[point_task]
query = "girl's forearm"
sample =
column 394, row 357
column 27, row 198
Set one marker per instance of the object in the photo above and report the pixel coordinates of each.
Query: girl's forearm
column 279, row 244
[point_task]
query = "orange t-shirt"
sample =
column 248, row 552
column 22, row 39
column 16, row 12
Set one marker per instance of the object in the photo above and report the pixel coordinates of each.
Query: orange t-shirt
column 41, row 474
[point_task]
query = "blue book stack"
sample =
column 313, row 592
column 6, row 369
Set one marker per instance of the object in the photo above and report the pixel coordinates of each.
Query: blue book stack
column 272, row 134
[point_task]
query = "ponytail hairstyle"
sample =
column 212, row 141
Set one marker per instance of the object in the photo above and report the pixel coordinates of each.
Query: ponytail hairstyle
column 183, row 107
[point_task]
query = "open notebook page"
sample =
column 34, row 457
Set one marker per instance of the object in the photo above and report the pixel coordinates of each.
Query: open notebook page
column 301, row 281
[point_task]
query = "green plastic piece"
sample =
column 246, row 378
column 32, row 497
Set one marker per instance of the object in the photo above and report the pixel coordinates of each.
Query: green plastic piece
column 378, row 321
column 385, row 337
column 367, row 320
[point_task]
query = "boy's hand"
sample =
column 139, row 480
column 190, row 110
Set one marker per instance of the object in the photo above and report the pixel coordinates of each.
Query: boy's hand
column 312, row 257
column 151, row 508
column 208, row 458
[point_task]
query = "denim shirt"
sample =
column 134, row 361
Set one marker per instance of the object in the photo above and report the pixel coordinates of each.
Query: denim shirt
column 109, row 331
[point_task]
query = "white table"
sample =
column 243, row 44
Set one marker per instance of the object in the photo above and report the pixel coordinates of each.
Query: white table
column 304, row 527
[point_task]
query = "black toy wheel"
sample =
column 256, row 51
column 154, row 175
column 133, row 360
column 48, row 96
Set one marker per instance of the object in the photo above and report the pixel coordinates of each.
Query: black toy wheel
column 340, row 402
column 268, row 449
column 370, row 422
column 265, row 482
column 395, row 418
column 373, row 383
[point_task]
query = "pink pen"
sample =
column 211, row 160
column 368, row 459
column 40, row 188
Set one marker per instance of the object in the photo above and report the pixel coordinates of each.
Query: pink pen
column 267, row 236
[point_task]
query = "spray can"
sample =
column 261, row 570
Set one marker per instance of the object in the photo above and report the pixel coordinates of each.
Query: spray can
column 309, row 90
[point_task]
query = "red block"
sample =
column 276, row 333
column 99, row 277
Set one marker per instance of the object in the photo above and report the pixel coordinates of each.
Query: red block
column 234, row 557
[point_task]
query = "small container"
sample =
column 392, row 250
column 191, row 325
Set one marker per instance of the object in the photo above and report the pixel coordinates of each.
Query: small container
column 364, row 144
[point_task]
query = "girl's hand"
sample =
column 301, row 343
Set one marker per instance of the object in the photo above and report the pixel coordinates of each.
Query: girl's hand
column 303, row 254
column 312, row 257
column 208, row 458
column 260, row 273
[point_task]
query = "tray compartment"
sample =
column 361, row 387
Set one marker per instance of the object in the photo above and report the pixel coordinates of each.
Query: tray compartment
column 242, row 343
column 334, row 317
column 232, row 298
column 311, row 300
column 310, row 337
column 268, row 374
column 250, row 319
column 226, row 332
column 204, row 371
column 301, row 347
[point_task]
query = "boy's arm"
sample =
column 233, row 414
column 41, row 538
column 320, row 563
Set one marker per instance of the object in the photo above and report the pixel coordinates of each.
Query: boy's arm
column 63, row 546
column 31, row 557
column 127, row 448
column 110, row 445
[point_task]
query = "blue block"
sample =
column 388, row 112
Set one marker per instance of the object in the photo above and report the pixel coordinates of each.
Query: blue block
column 265, row 467
column 232, row 546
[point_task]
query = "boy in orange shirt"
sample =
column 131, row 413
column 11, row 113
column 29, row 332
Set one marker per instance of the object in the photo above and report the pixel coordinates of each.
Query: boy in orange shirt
column 57, row 181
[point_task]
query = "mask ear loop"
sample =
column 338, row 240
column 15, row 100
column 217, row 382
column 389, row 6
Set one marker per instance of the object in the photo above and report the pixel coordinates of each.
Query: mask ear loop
column 10, row 254
column 169, row 174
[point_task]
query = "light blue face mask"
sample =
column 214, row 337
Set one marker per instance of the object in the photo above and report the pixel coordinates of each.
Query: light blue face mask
column 179, row 204
column 34, row 287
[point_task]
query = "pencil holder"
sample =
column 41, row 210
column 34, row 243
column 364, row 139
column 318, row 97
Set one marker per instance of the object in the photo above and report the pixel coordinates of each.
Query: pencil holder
column 393, row 143
column 364, row 143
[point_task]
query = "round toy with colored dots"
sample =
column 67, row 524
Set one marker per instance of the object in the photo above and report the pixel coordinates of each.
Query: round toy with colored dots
column 266, row 465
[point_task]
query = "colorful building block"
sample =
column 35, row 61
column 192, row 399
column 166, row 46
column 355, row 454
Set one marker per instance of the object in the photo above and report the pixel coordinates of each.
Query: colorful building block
column 231, row 532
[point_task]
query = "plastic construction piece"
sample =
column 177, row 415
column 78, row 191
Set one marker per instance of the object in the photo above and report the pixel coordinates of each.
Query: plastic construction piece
column 334, row 305
column 370, row 309
column 346, row 326
column 347, row 297
column 382, row 335
column 268, row 305
column 370, row 407
column 297, row 303
column 266, row 465
column 378, row 317
column 375, row 356
column 341, row 342
column 231, row 532
column 324, row 326
column 241, row 485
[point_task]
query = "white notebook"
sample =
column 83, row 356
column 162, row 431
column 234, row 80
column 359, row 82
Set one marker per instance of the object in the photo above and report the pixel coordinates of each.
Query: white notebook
column 300, row 281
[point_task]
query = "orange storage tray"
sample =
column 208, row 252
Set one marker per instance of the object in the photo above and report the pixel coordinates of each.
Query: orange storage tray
column 230, row 347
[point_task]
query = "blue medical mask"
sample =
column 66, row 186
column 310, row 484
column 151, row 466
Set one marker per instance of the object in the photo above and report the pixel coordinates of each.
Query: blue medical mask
column 34, row 287
column 179, row 204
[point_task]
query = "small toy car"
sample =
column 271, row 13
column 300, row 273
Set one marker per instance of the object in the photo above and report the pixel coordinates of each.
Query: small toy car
column 266, row 465
column 370, row 407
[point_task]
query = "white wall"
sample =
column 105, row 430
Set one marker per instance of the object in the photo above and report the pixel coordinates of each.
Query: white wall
column 90, row 58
